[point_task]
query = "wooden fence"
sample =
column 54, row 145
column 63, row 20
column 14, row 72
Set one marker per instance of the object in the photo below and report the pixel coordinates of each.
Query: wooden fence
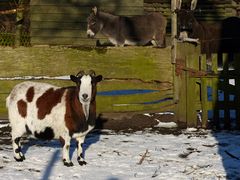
column 203, row 99
column 136, row 79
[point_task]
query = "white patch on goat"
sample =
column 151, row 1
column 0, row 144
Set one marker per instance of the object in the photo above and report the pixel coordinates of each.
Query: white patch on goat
column 86, row 89
column 55, row 120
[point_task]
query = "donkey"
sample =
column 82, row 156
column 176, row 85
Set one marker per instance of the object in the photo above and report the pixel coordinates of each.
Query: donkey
column 214, row 37
column 136, row 30
column 217, row 37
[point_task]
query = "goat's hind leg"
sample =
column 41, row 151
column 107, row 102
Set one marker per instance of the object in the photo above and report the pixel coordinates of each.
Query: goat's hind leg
column 17, row 133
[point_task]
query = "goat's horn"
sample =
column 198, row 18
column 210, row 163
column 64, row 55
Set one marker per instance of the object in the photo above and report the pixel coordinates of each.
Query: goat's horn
column 80, row 73
column 92, row 73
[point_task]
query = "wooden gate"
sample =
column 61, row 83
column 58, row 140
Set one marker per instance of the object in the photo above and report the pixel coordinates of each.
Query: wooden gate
column 207, row 99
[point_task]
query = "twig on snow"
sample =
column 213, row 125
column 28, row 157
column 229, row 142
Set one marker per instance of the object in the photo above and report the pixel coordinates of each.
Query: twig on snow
column 143, row 157
column 155, row 174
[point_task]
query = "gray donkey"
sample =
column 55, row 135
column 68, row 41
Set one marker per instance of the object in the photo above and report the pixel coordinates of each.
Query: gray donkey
column 136, row 30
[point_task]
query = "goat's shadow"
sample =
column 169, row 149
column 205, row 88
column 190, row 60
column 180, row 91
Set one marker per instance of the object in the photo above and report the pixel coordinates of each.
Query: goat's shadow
column 226, row 113
column 92, row 138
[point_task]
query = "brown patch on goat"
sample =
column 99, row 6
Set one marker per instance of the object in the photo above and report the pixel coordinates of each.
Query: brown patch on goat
column 62, row 141
column 30, row 94
column 48, row 100
column 74, row 116
column 22, row 108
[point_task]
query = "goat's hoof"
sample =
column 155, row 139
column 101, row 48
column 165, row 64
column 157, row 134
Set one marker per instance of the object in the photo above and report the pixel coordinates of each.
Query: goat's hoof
column 68, row 164
column 81, row 163
column 22, row 158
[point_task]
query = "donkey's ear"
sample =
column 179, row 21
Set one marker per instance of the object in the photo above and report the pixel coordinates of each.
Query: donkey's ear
column 74, row 78
column 193, row 5
column 95, row 10
column 99, row 78
column 178, row 4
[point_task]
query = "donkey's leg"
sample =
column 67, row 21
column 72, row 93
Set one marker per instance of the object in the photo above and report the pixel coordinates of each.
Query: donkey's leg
column 66, row 147
column 160, row 39
column 80, row 158
column 17, row 133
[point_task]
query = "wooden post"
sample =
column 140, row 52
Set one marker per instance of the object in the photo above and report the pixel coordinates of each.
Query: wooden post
column 174, row 30
column 176, row 84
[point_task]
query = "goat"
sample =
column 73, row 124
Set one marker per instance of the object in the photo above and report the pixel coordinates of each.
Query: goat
column 50, row 112
column 136, row 30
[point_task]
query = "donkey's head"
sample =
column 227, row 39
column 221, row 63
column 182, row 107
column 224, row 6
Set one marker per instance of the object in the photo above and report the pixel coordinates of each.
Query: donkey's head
column 94, row 24
column 86, row 85
column 185, row 19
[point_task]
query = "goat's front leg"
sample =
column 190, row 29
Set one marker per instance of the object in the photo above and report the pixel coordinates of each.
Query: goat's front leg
column 66, row 146
column 80, row 158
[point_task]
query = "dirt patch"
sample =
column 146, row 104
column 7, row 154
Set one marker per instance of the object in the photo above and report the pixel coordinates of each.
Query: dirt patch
column 129, row 122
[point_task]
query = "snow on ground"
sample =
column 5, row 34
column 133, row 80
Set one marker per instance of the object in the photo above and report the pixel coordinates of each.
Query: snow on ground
column 140, row 155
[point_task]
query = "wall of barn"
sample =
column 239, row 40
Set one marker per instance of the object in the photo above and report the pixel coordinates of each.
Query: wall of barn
column 64, row 22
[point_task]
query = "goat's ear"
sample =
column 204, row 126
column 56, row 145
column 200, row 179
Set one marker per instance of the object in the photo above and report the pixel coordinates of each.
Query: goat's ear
column 99, row 78
column 193, row 4
column 74, row 78
column 95, row 10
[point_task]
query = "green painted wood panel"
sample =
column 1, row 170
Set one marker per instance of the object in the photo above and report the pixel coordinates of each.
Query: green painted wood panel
column 128, row 68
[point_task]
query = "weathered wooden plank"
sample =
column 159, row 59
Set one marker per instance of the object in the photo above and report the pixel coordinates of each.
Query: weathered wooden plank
column 131, row 68
column 145, row 63
column 204, row 101
column 191, row 102
column 108, row 100
column 193, row 89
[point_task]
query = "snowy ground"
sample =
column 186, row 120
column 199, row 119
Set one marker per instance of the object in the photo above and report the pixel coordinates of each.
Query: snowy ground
column 141, row 155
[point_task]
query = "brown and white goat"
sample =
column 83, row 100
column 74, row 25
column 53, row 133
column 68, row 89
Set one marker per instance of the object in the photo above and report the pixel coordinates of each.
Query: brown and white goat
column 51, row 112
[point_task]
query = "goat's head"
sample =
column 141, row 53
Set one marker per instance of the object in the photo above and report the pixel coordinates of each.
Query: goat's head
column 86, row 85
column 93, row 23
column 185, row 20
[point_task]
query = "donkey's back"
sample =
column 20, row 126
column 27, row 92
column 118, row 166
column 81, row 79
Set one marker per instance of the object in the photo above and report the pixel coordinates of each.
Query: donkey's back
column 135, row 30
column 142, row 29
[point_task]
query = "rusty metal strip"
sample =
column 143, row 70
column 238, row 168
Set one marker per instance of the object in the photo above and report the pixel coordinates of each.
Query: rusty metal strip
column 11, row 11
column 192, row 72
